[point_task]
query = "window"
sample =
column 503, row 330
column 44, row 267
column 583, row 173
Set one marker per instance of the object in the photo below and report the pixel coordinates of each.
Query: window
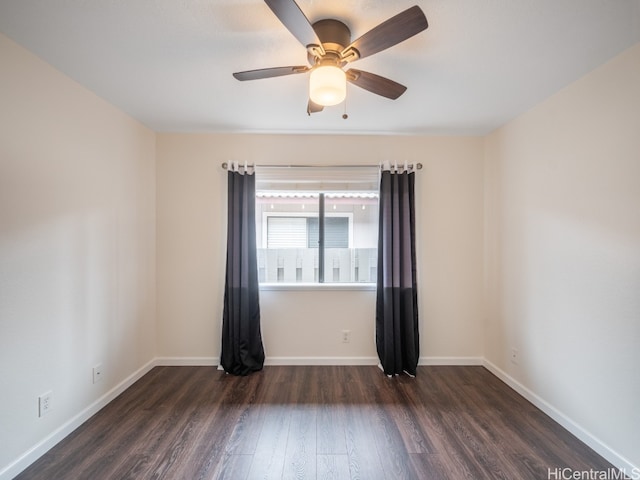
column 312, row 230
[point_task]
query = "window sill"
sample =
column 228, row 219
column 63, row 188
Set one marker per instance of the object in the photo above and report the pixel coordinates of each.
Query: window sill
column 317, row 286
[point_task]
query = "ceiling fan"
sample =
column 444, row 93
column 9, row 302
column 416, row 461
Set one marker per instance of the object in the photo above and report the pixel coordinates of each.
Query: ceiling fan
column 329, row 49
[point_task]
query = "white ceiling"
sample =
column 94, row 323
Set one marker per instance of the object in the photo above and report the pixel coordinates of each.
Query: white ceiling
column 168, row 63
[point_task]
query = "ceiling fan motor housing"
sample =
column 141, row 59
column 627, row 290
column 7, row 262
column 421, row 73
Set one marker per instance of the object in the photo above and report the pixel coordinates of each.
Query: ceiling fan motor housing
column 335, row 36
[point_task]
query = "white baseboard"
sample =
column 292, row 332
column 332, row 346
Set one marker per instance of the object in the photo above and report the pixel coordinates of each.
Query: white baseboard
column 301, row 361
column 601, row 448
column 269, row 361
column 42, row 447
column 186, row 361
column 443, row 361
column 368, row 361
column 272, row 361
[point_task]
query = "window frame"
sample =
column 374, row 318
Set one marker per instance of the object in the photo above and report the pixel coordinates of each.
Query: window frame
column 321, row 283
column 319, row 184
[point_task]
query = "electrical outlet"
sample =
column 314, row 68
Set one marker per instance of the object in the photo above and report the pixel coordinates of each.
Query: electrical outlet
column 97, row 373
column 346, row 336
column 514, row 356
column 44, row 403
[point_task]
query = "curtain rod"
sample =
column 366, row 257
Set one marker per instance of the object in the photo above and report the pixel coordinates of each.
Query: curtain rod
column 418, row 166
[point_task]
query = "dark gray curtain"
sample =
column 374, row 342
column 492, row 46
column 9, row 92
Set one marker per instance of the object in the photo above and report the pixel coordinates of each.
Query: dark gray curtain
column 242, row 351
column 397, row 297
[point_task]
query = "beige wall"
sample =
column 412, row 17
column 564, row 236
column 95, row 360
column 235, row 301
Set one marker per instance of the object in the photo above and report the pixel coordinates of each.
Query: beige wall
column 563, row 252
column 77, row 248
column 191, row 247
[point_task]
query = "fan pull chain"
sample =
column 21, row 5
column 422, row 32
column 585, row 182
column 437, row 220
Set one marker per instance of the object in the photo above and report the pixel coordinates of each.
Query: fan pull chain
column 344, row 115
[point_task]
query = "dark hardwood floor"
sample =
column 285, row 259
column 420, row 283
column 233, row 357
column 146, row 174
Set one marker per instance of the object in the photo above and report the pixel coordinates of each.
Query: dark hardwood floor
column 316, row 422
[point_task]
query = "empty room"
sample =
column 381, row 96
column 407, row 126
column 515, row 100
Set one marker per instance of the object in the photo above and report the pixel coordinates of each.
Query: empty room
column 319, row 240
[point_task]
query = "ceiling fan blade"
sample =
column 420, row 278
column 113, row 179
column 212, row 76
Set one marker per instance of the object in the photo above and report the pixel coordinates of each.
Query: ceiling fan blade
column 375, row 83
column 313, row 107
column 289, row 13
column 269, row 72
column 395, row 30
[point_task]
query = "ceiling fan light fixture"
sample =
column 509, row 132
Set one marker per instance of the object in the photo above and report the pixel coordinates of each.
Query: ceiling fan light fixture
column 327, row 85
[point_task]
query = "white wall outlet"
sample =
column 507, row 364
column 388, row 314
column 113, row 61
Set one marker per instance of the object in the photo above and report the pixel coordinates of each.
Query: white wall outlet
column 97, row 373
column 44, row 403
column 346, row 336
column 514, row 356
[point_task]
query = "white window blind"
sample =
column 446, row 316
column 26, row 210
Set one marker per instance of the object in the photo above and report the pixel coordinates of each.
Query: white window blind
column 318, row 179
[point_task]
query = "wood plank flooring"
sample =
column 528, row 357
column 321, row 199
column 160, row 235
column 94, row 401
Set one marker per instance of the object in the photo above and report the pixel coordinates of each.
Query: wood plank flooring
column 324, row 422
